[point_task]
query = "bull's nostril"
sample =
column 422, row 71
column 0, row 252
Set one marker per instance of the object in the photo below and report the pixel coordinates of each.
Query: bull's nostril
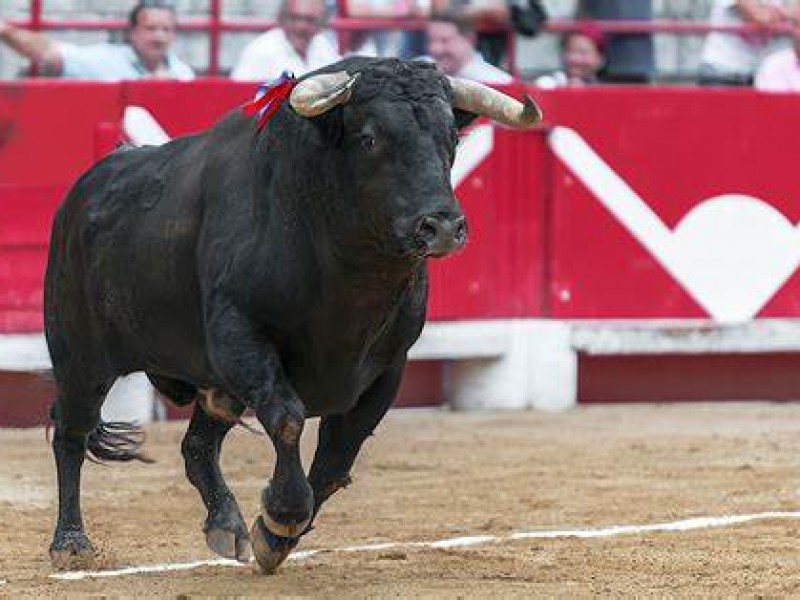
column 460, row 232
column 427, row 230
column 439, row 234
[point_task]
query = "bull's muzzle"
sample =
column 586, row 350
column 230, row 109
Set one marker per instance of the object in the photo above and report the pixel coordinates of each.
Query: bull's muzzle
column 439, row 235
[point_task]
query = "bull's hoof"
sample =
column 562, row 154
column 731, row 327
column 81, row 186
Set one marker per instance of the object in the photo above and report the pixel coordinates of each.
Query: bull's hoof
column 226, row 533
column 293, row 525
column 72, row 551
column 269, row 549
column 286, row 530
column 228, row 544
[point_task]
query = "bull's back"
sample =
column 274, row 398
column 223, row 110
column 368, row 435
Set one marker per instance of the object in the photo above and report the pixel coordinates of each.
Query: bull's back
column 121, row 266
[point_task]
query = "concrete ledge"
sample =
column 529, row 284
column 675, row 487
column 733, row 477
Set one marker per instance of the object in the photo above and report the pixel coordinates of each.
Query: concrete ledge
column 530, row 363
column 132, row 398
column 501, row 363
column 24, row 352
column 599, row 338
column 445, row 340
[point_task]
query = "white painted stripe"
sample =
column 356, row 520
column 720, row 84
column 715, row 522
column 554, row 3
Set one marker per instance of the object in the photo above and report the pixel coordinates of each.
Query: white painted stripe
column 457, row 542
column 614, row 193
column 303, row 554
column 142, row 128
column 196, row 564
column 370, row 547
column 685, row 525
column 460, row 541
column 472, row 151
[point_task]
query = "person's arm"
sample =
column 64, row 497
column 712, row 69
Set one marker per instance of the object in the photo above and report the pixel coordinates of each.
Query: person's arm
column 766, row 15
column 495, row 12
column 34, row 46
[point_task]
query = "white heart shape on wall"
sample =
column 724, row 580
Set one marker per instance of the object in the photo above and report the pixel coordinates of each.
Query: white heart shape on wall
column 731, row 253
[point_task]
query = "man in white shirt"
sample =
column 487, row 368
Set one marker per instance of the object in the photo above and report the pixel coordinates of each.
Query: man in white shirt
column 780, row 71
column 298, row 44
column 731, row 58
column 451, row 44
column 148, row 53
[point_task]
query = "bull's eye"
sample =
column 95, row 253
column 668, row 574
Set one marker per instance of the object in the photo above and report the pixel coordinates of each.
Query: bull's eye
column 367, row 143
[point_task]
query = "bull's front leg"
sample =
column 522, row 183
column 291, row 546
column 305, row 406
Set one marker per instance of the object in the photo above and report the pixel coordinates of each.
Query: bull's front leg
column 251, row 369
column 341, row 436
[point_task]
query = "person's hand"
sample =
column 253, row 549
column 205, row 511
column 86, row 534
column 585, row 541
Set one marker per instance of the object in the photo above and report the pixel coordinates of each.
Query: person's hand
column 772, row 15
column 488, row 12
column 4, row 26
column 777, row 15
column 784, row 14
column 764, row 15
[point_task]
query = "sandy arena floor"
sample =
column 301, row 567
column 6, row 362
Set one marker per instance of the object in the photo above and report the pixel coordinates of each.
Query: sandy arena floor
column 430, row 475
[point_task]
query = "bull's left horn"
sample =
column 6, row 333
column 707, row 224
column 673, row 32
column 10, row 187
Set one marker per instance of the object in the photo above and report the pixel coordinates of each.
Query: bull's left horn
column 480, row 99
column 320, row 93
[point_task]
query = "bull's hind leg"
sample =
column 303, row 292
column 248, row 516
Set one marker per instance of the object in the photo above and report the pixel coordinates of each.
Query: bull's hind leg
column 226, row 532
column 76, row 415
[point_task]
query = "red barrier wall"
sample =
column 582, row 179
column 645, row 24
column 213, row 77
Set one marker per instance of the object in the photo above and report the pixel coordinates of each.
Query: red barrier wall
column 50, row 133
column 543, row 243
column 47, row 137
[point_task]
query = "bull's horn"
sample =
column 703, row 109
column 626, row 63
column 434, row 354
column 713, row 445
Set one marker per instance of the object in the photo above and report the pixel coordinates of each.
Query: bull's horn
column 320, row 93
column 480, row 99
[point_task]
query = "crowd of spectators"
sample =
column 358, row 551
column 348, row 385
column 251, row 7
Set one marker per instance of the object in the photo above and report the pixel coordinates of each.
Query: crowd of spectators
column 466, row 38
column 147, row 54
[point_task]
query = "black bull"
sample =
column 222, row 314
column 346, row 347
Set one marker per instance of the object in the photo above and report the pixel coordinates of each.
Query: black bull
column 281, row 270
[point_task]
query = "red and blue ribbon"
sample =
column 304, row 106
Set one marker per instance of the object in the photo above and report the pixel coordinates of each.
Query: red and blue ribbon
column 269, row 98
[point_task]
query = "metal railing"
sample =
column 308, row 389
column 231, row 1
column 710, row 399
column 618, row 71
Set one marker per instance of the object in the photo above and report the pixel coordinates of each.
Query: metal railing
column 216, row 25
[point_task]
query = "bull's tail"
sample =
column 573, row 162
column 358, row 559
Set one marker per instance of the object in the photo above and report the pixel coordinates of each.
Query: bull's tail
column 116, row 441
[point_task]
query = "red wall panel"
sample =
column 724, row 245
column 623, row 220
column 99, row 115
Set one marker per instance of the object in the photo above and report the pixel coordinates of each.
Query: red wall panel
column 541, row 244
column 48, row 129
column 698, row 377
column 500, row 273
column 184, row 108
column 676, row 148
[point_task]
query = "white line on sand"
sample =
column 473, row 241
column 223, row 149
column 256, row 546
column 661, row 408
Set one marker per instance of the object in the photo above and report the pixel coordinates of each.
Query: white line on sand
column 683, row 525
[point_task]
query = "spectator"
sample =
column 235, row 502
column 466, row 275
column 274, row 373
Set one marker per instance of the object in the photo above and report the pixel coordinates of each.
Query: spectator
column 525, row 17
column 730, row 58
column 298, row 44
column 582, row 56
column 147, row 54
column 780, row 71
column 630, row 57
column 378, row 42
column 451, row 44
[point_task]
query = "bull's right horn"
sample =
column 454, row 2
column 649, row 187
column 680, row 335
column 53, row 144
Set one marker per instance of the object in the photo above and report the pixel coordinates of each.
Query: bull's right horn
column 480, row 99
column 320, row 93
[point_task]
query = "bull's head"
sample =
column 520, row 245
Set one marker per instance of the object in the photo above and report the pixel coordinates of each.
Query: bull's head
column 400, row 134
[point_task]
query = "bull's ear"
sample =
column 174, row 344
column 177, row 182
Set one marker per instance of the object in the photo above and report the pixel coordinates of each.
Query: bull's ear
column 463, row 117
